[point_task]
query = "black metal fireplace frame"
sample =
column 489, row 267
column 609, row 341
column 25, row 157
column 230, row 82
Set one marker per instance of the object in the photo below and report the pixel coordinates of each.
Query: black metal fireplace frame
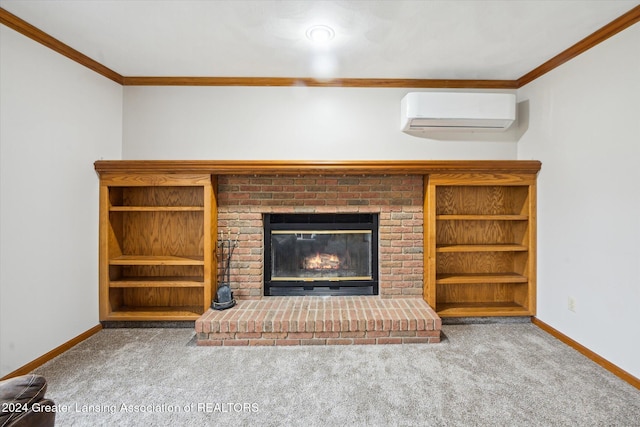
column 326, row 221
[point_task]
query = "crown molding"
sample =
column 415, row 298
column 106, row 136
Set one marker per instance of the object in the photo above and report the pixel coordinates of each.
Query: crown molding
column 611, row 29
column 307, row 81
column 28, row 30
column 626, row 20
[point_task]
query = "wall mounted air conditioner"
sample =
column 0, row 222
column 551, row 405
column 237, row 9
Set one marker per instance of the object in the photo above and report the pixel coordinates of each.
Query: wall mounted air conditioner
column 457, row 111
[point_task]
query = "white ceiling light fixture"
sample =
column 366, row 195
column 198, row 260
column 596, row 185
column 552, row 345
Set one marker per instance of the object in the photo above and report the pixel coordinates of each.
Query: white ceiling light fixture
column 320, row 33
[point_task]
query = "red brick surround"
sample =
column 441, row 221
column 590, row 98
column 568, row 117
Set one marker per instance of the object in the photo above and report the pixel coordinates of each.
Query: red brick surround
column 242, row 200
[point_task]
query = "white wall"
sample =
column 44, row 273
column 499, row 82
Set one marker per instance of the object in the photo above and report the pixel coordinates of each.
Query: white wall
column 286, row 123
column 56, row 119
column 584, row 126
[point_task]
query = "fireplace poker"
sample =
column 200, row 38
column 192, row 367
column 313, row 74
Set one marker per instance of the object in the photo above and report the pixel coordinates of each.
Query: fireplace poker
column 224, row 298
column 232, row 247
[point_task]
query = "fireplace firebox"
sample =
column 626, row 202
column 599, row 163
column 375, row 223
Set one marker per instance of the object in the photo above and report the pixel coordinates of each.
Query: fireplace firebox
column 321, row 254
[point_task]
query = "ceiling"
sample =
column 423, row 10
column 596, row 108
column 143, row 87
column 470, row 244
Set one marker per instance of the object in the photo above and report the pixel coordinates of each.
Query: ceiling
column 475, row 40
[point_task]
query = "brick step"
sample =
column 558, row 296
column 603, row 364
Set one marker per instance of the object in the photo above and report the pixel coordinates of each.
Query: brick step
column 321, row 320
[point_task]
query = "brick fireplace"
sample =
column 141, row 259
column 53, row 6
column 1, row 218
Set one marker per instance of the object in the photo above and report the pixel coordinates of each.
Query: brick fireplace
column 397, row 200
column 397, row 314
column 248, row 191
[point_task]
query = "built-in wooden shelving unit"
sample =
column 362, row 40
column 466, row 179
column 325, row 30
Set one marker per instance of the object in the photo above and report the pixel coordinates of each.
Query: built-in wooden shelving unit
column 480, row 244
column 158, row 220
column 156, row 254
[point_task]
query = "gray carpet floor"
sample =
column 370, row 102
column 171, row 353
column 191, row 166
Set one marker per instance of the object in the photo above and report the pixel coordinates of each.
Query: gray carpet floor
column 480, row 375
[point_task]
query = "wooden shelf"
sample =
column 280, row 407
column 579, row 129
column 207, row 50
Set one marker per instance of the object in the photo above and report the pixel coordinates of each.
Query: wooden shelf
column 156, row 260
column 141, row 313
column 479, row 249
column 482, row 248
column 481, row 309
column 482, row 217
column 156, row 209
column 470, row 278
column 158, row 282
column 156, row 245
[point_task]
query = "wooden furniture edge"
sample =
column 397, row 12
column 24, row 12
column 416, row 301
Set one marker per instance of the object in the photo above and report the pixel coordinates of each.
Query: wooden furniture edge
column 28, row 30
column 210, row 241
column 615, row 370
column 429, row 292
column 293, row 167
column 489, row 177
column 103, row 252
column 117, row 179
column 53, row 353
column 612, row 28
column 532, row 272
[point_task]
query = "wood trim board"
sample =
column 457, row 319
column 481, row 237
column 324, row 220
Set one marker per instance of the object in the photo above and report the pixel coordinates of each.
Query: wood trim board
column 311, row 82
column 609, row 30
column 28, row 30
column 53, row 353
column 615, row 370
column 293, row 167
column 626, row 20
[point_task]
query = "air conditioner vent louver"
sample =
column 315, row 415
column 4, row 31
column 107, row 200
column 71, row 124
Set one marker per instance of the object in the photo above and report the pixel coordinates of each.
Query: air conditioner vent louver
column 457, row 111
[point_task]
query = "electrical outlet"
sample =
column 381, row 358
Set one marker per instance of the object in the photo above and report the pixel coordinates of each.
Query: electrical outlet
column 571, row 304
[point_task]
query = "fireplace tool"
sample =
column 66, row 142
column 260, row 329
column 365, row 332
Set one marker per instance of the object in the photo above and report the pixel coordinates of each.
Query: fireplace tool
column 224, row 296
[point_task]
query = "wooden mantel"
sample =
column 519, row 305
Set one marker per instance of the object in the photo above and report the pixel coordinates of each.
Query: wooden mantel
column 293, row 167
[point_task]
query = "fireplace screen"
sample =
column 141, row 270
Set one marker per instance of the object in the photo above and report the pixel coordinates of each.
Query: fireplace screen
column 320, row 254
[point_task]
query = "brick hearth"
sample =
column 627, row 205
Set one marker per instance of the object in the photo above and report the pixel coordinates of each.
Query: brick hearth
column 320, row 321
